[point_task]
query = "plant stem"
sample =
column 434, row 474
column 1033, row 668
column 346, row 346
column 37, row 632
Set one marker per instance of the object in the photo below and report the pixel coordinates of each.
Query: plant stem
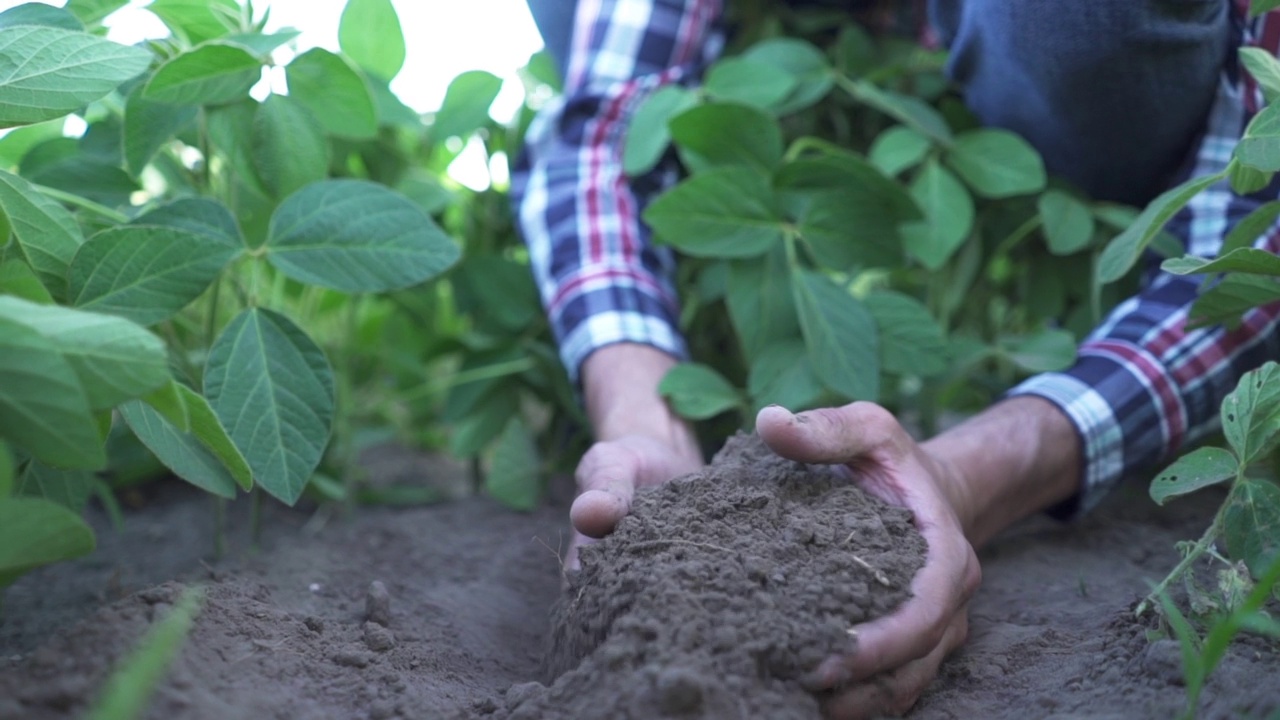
column 83, row 203
column 1196, row 551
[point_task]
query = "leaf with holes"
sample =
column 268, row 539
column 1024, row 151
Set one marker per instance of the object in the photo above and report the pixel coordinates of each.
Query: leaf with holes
column 1193, row 471
column 1251, row 524
column 1251, row 413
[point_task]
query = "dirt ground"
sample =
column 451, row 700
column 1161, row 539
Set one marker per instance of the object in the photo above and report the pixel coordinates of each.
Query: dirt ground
column 286, row 629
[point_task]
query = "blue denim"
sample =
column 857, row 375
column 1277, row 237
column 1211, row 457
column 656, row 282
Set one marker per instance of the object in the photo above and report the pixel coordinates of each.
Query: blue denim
column 1113, row 93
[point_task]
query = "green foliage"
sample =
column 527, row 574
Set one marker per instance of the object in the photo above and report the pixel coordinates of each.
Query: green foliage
column 369, row 33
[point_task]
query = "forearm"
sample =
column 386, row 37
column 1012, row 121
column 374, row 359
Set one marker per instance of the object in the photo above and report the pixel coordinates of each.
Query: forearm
column 1017, row 458
column 620, row 387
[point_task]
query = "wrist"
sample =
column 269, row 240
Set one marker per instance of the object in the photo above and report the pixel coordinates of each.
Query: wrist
column 620, row 387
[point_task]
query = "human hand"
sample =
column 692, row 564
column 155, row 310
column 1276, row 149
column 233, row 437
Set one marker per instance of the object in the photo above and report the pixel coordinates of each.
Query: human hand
column 897, row 655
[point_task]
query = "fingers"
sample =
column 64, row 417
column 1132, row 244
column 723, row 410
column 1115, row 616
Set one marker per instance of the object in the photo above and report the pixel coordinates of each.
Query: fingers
column 895, row 693
column 607, row 478
column 832, row 435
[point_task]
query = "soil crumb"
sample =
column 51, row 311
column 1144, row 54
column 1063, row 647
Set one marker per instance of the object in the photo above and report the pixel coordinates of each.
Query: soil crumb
column 721, row 591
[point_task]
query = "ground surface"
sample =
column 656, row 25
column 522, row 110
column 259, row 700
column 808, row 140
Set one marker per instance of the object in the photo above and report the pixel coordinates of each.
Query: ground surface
column 285, row 632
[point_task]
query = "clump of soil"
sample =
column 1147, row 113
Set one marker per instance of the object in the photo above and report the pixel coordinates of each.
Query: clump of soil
column 721, row 592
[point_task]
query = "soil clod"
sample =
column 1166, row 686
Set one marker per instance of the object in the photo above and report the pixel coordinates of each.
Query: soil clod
column 377, row 638
column 377, row 604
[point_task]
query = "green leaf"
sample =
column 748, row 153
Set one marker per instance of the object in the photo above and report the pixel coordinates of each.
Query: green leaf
column 697, row 392
column 1260, row 146
column 34, row 13
column 212, row 74
column 805, row 63
column 91, row 12
column 272, row 388
column 47, row 234
column 648, row 134
column 1240, row 260
column 289, row 146
column 391, row 110
column 897, row 149
column 910, row 111
column 1193, row 471
column 197, row 20
column 261, row 44
column 148, row 125
column 512, row 478
column 100, row 181
column 725, row 134
column 69, row 488
column 335, row 94
column 750, row 82
column 1258, row 7
column 18, row 279
column 722, row 213
column 130, row 687
column 18, row 142
column 231, row 135
column 1251, row 524
column 171, row 404
column 179, row 451
column 43, row 408
column 484, row 422
column 997, row 163
column 114, row 359
column 200, row 216
column 840, row 334
column 36, row 532
column 493, row 288
column 1226, row 302
column 370, row 34
column 357, row 236
column 783, row 375
column 1125, row 249
column 208, row 429
column 1046, row 351
column 145, row 273
column 7, row 468
column 911, row 341
column 948, row 211
column 466, row 105
column 760, row 302
column 1246, row 180
column 48, row 72
column 1251, row 413
column 1247, row 231
column 1068, row 223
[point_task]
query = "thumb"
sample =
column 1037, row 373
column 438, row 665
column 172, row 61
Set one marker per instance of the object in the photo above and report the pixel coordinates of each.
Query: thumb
column 607, row 478
column 832, row 435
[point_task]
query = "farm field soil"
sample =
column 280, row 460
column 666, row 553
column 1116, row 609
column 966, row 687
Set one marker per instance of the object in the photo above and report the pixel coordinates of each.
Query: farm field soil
column 286, row 629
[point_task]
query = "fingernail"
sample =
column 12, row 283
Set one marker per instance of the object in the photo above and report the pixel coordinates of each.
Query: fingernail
column 832, row 673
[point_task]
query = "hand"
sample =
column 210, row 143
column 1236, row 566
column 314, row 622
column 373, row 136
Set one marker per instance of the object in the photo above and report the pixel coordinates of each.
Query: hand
column 898, row 655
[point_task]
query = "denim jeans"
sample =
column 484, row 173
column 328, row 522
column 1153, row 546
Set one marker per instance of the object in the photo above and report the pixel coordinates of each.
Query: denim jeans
column 1113, row 93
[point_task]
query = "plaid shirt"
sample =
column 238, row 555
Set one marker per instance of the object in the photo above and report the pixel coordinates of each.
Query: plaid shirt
column 1144, row 384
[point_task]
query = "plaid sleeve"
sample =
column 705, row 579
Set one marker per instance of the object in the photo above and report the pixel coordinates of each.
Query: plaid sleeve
column 601, row 279
column 1144, row 384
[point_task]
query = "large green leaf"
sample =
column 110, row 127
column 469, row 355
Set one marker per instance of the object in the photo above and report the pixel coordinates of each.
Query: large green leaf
column 727, row 134
column 485, row 421
column 7, row 468
column 1068, row 223
column 698, row 392
column 357, row 236
column 101, row 181
column 648, row 134
column 1251, row 413
column 911, row 341
column 370, row 34
column 43, row 408
column 751, row 82
column 1241, row 260
column 761, row 305
column 466, row 105
column 181, row 452
column 48, row 72
column 997, row 163
column 148, row 125
column 115, row 359
column 1265, row 68
column 36, row 532
column 1045, row 351
column 840, row 334
column 805, row 63
column 1193, row 471
column 1251, row 524
column 272, row 388
column 898, row 148
column 334, row 92
column 69, row 488
column 145, row 273
column 1247, row 231
column 1226, row 302
column 1260, row 146
column 1125, row 249
column 198, row 20
column 34, row 13
column 289, row 146
column 783, row 375
column 948, row 210
column 90, row 12
column 197, row 215
column 723, row 213
column 208, row 429
column 212, row 74
column 19, row 280
column 47, row 234
column 910, row 111
column 513, row 473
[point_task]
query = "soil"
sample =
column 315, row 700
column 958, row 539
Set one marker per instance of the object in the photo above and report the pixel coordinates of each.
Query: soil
column 448, row 611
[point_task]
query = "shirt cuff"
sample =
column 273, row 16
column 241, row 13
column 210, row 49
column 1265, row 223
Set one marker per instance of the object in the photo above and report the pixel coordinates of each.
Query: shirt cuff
column 1101, row 435
column 618, row 326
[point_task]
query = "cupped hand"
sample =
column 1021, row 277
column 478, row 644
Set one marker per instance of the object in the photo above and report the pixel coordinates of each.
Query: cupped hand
column 897, row 655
